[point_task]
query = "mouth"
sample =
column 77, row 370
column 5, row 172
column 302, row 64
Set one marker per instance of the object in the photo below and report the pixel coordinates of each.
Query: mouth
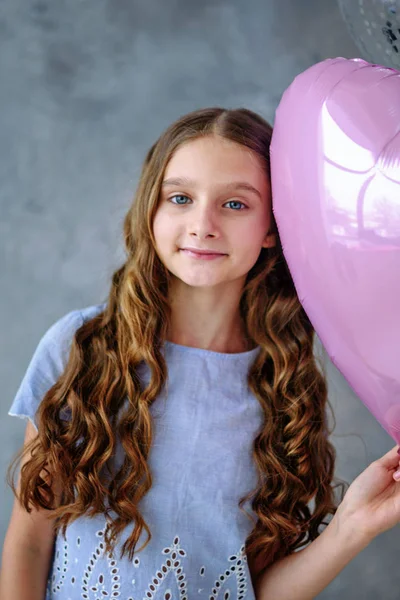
column 202, row 252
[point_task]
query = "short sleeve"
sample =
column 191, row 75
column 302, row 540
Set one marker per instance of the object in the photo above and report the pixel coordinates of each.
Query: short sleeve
column 46, row 366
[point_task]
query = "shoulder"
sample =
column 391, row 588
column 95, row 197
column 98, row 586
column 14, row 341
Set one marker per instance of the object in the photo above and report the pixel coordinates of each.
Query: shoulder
column 63, row 329
column 52, row 351
column 49, row 361
column 91, row 311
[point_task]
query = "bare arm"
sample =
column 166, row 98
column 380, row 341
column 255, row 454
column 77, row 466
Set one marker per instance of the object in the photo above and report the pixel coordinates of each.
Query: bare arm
column 27, row 549
column 23, row 573
column 304, row 574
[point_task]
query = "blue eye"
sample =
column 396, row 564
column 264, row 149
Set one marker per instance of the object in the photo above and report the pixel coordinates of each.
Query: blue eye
column 183, row 204
column 178, row 196
column 236, row 202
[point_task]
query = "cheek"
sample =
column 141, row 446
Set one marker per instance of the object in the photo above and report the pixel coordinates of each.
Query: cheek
column 250, row 235
column 160, row 228
column 248, row 243
column 166, row 233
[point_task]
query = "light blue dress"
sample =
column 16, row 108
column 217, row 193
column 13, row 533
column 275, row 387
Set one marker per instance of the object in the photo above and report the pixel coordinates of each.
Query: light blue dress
column 201, row 462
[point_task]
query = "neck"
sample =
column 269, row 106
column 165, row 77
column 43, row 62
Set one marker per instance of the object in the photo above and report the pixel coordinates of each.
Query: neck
column 208, row 318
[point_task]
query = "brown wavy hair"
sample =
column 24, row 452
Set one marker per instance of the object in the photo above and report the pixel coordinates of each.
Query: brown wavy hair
column 294, row 458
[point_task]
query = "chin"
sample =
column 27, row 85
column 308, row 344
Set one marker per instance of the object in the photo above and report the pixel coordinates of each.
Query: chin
column 198, row 282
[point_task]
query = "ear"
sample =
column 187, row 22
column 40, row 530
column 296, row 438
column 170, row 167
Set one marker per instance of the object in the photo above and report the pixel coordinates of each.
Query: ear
column 269, row 240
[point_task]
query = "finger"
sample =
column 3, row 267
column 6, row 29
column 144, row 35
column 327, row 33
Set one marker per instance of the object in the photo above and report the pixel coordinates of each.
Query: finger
column 390, row 460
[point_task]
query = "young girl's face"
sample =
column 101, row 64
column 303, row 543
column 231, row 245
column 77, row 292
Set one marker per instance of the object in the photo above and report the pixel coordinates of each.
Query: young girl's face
column 205, row 210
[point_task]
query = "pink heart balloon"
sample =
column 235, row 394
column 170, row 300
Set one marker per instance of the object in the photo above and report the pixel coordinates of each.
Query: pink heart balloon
column 335, row 165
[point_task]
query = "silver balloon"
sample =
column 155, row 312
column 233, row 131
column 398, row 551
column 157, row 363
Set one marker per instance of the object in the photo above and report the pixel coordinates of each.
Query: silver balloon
column 375, row 27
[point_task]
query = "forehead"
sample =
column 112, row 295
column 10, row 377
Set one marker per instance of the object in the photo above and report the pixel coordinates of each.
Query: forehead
column 216, row 157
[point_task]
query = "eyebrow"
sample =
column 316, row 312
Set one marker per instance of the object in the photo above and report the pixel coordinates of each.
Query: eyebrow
column 234, row 185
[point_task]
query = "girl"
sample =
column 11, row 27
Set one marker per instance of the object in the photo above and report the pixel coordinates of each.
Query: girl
column 177, row 433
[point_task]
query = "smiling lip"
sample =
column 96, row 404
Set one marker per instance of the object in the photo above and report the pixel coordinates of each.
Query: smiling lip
column 198, row 251
column 201, row 255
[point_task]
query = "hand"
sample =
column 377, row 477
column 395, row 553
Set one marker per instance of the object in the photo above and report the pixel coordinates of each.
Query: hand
column 372, row 501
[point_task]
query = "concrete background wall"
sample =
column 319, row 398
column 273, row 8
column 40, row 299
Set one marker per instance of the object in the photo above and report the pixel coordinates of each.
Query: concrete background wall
column 86, row 86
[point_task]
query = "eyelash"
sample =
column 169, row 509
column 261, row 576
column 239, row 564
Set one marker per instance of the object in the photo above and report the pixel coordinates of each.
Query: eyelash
column 184, row 196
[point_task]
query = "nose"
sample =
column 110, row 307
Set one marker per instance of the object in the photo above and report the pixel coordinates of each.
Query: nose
column 204, row 223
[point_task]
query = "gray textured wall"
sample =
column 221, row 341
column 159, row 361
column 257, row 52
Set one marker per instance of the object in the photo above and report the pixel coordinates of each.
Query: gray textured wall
column 85, row 88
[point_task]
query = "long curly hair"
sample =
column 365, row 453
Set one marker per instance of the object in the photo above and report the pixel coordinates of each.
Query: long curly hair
column 294, row 459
